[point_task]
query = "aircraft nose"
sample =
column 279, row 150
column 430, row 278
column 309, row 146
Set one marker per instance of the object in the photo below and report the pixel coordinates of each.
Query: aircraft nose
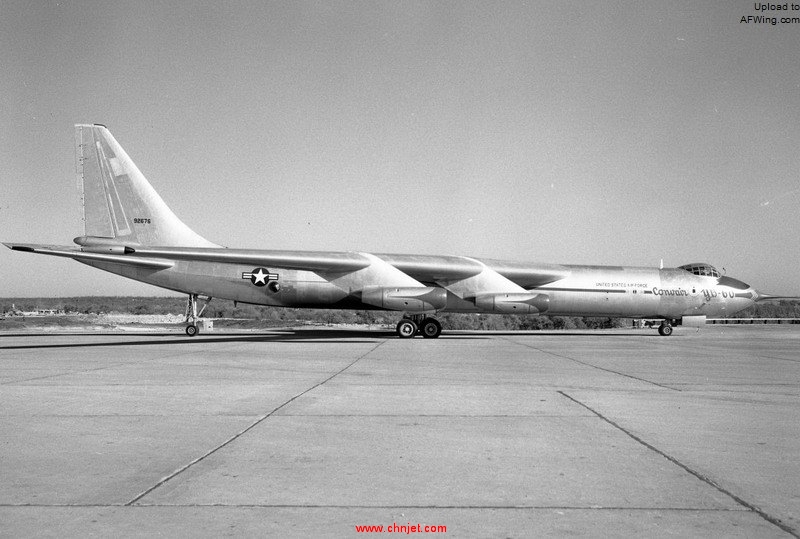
column 761, row 296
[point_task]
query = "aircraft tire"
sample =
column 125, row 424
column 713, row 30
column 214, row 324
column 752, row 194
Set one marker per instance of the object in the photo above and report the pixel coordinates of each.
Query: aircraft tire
column 191, row 330
column 430, row 328
column 665, row 330
column 406, row 328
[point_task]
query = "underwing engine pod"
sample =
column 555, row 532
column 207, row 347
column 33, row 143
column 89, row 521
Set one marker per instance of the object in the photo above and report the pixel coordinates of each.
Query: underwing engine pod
column 524, row 303
column 409, row 299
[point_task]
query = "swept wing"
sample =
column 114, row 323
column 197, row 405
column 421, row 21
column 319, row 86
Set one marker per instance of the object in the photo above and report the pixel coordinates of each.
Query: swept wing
column 77, row 254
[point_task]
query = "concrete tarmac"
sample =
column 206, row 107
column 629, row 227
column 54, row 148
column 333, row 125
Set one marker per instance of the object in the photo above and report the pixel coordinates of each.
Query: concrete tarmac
column 314, row 432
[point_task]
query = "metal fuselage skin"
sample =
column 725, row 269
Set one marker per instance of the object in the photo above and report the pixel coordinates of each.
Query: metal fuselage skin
column 638, row 292
column 607, row 291
column 129, row 230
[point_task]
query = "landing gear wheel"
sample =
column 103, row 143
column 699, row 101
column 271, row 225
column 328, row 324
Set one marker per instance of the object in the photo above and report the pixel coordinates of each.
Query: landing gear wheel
column 191, row 330
column 430, row 328
column 406, row 328
column 665, row 330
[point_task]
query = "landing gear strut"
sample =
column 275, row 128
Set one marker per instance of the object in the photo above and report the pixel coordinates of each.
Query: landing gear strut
column 192, row 315
column 410, row 325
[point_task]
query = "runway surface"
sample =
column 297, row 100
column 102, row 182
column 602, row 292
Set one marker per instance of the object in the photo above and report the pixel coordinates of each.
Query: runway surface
column 315, row 432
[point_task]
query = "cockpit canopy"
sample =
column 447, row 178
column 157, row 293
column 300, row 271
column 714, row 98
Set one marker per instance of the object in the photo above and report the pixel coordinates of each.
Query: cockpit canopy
column 701, row 268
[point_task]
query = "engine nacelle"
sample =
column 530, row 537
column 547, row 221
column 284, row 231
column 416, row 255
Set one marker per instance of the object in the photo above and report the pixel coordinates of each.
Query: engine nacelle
column 519, row 303
column 410, row 299
column 93, row 244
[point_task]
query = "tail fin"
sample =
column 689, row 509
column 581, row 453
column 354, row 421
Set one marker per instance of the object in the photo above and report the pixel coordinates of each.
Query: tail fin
column 118, row 201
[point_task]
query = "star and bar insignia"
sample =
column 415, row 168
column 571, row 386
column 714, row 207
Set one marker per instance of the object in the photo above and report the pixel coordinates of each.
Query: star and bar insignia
column 260, row 276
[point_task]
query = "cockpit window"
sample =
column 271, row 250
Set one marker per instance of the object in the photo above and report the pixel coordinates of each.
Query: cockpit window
column 705, row 270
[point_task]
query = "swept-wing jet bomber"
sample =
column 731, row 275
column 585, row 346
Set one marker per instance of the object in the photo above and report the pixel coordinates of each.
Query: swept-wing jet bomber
column 130, row 231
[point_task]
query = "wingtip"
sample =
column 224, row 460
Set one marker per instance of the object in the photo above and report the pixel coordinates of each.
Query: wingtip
column 23, row 248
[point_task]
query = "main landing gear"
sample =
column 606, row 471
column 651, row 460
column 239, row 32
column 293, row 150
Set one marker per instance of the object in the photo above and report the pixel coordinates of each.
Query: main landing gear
column 665, row 329
column 192, row 315
column 410, row 325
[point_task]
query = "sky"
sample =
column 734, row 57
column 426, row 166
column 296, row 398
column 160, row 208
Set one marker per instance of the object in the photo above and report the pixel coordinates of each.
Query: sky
column 620, row 133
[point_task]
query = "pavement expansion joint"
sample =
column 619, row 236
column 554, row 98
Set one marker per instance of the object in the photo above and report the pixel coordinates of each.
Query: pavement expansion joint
column 490, row 434
column 84, row 371
column 339, row 506
column 249, row 427
column 60, row 374
column 780, row 358
column 747, row 505
column 586, row 364
column 438, row 416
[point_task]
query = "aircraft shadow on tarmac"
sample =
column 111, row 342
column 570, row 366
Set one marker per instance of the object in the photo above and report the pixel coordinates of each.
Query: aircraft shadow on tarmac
column 317, row 335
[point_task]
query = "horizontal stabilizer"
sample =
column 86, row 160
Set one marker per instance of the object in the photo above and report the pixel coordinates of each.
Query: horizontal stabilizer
column 81, row 256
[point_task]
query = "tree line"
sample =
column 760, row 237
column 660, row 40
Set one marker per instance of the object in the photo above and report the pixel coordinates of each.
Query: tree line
column 227, row 309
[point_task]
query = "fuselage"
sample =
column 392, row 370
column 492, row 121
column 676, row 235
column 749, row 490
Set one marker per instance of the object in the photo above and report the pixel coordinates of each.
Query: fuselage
column 573, row 290
column 640, row 292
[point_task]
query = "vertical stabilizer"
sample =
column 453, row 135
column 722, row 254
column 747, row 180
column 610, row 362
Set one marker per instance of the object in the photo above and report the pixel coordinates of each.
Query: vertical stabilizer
column 118, row 201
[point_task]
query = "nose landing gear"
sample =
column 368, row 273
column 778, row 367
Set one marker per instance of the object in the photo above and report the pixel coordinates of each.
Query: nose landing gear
column 410, row 325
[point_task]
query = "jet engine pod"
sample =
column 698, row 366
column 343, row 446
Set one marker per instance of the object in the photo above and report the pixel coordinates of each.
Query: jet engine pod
column 409, row 299
column 520, row 303
column 92, row 244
